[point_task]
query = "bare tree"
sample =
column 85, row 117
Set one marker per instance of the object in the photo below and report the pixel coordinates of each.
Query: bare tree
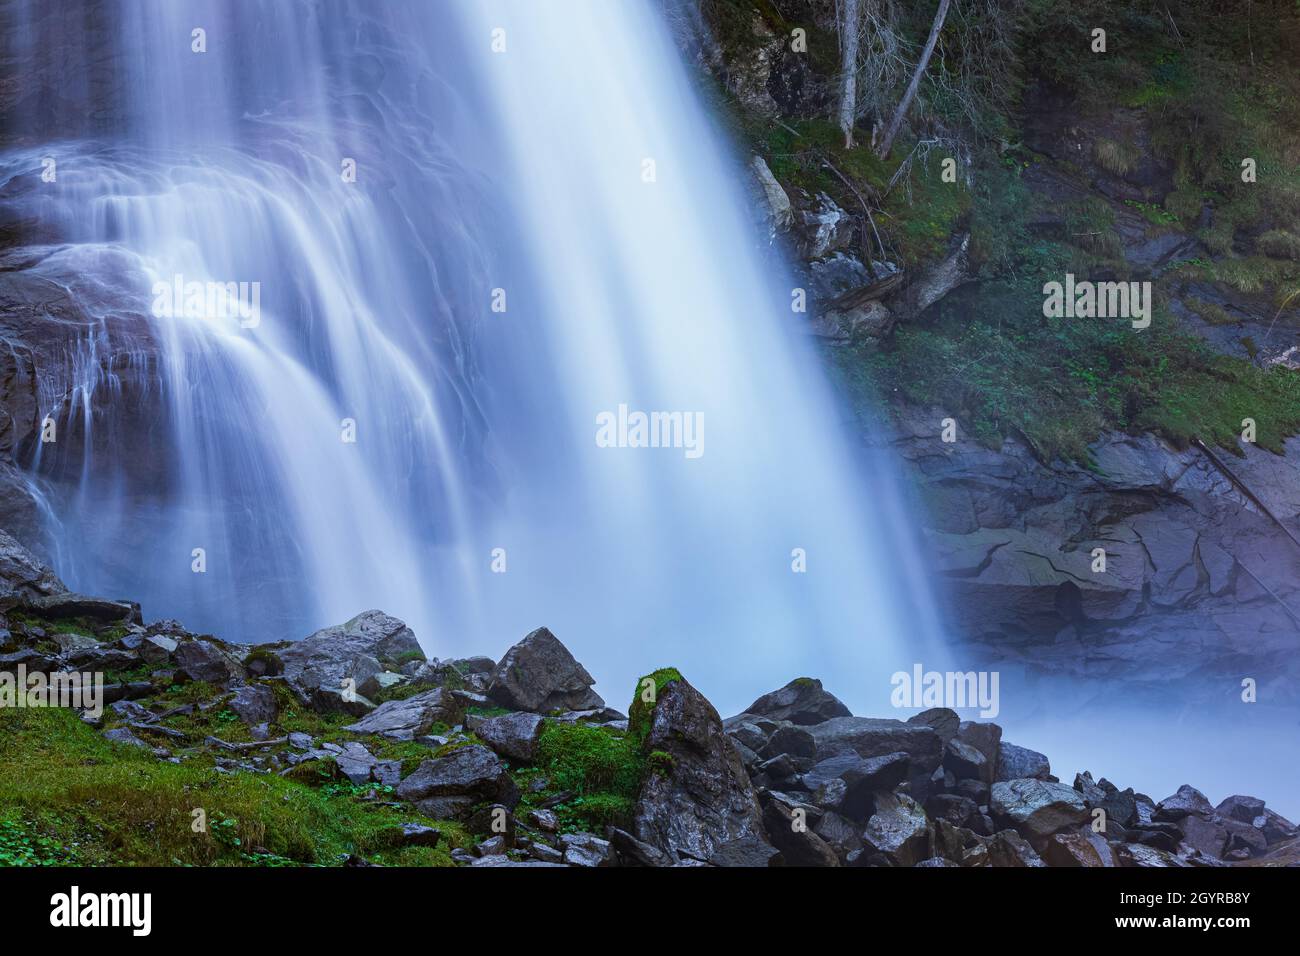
column 891, row 131
column 850, row 19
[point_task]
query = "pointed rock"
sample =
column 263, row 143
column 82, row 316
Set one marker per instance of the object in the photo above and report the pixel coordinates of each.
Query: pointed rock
column 802, row 701
column 540, row 675
column 699, row 798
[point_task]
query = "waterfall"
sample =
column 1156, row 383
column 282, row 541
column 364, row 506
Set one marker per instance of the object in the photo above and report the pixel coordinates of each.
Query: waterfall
column 545, row 239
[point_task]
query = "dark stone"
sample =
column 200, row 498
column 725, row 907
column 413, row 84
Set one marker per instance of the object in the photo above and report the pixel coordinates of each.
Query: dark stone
column 1188, row 800
column 802, row 701
column 23, row 577
column 410, row 718
column 898, row 831
column 511, row 735
column 540, row 675
column 1070, row 849
column 1241, row 809
column 862, row 777
column 586, row 849
column 1008, row 848
column 872, row 737
column 634, row 852
column 328, row 668
column 255, row 704
column 1018, row 763
column 944, row 721
column 417, row 834
column 986, row 738
column 748, row 851
column 703, row 797
column 954, row 808
column 451, row 785
column 199, row 660
column 964, row 762
column 1036, row 808
column 789, row 739
column 792, row 833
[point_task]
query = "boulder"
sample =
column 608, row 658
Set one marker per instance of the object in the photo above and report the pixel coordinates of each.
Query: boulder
column 1019, row 763
column 327, row 669
column 412, row 717
column 791, row 832
column 255, row 704
column 540, row 675
column 874, row 737
column 1187, row 801
column 789, row 739
column 944, row 721
column 356, row 762
column 157, row 649
column 702, row 798
column 450, row 786
column 952, row 807
column 898, row 832
column 200, row 660
column 1008, row 848
column 417, row 834
column 65, row 604
column 23, row 577
column 634, row 852
column 840, row 833
column 586, row 849
column 964, row 762
column 859, row 778
column 802, row 701
column 511, row 735
column 987, row 739
column 1036, row 808
column 1070, row 849
column 1275, row 827
column 1242, row 809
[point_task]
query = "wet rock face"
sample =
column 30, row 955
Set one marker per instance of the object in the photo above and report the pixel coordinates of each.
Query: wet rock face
column 1186, row 551
column 22, row 575
column 802, row 701
column 320, row 667
column 449, row 787
column 540, row 675
column 700, row 799
column 412, row 717
column 1037, row 808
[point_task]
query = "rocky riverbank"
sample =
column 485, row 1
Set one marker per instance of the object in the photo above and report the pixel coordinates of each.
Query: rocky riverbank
column 351, row 747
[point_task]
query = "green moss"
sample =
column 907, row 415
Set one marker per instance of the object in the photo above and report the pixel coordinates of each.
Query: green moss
column 661, row 762
column 601, row 768
column 587, row 759
column 69, row 796
column 640, row 711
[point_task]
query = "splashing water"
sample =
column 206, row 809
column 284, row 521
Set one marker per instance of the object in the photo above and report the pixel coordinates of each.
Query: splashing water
column 572, row 181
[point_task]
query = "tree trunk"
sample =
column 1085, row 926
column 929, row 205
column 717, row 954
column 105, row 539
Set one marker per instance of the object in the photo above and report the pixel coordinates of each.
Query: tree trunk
column 895, row 124
column 849, row 69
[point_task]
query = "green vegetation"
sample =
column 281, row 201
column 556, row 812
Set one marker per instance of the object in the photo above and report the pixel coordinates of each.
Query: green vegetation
column 71, row 797
column 639, row 713
column 1209, row 84
column 602, row 768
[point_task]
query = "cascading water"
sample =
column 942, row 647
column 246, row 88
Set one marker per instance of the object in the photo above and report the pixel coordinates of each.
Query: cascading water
column 542, row 229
